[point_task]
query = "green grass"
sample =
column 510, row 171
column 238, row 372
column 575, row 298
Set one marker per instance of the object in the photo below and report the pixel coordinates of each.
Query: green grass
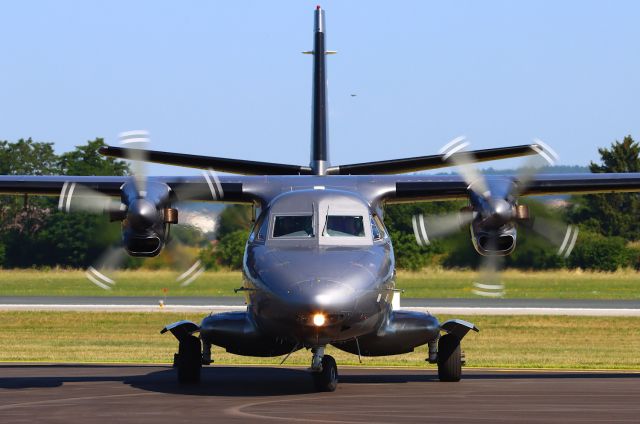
column 128, row 283
column 430, row 283
column 562, row 284
column 503, row 341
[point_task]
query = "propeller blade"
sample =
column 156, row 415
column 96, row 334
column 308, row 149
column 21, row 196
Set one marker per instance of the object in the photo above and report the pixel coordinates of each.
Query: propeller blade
column 179, row 256
column 110, row 261
column 545, row 156
column 489, row 283
column 431, row 227
column 561, row 235
column 208, row 189
column 76, row 197
column 465, row 162
column 137, row 142
column 192, row 274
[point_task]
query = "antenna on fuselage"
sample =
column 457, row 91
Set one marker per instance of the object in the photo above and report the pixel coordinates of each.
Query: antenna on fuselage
column 319, row 137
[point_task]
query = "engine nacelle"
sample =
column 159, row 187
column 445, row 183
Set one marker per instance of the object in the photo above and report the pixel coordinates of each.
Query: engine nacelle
column 489, row 242
column 493, row 226
column 146, row 218
column 146, row 244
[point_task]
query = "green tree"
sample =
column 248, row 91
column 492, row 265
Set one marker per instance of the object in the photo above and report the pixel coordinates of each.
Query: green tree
column 233, row 218
column 601, row 253
column 34, row 232
column 85, row 160
column 612, row 214
column 69, row 240
column 27, row 157
column 230, row 249
column 398, row 220
column 22, row 216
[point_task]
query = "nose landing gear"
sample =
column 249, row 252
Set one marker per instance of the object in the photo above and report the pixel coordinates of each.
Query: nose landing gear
column 324, row 370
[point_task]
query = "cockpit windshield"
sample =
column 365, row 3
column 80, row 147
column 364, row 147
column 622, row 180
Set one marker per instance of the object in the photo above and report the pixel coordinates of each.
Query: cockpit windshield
column 344, row 226
column 293, row 226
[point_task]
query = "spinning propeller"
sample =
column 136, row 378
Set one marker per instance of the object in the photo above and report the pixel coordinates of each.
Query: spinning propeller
column 494, row 214
column 147, row 208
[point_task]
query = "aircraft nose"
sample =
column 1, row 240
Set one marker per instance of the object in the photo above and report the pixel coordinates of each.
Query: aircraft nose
column 324, row 295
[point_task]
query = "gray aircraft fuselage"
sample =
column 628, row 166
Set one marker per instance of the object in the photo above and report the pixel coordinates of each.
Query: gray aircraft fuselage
column 350, row 280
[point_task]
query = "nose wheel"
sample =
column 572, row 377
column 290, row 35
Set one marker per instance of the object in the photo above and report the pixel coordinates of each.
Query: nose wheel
column 326, row 380
column 324, row 370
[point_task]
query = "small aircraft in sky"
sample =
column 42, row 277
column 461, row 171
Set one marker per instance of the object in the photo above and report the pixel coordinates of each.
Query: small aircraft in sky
column 318, row 268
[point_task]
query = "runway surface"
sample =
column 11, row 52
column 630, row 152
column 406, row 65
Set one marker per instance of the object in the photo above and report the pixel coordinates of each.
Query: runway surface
column 480, row 306
column 149, row 394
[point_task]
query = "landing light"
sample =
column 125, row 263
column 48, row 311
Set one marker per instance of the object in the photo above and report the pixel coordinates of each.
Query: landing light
column 319, row 320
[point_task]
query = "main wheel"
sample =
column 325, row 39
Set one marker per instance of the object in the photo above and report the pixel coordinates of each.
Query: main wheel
column 327, row 379
column 189, row 360
column 449, row 358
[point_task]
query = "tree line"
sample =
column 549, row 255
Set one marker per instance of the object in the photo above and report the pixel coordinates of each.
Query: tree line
column 34, row 233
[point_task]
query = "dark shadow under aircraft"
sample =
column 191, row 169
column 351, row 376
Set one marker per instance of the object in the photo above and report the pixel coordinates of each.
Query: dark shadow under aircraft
column 318, row 266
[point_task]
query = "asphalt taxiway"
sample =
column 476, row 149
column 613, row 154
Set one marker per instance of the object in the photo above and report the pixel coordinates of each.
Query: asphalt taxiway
column 150, row 394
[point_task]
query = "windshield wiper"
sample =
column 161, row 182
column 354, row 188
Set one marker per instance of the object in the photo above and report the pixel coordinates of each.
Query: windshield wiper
column 326, row 220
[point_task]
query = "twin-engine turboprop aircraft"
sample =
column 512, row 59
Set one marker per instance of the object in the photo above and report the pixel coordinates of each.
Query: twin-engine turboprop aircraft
column 318, row 266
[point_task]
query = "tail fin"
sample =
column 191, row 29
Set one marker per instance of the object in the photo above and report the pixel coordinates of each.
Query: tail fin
column 319, row 137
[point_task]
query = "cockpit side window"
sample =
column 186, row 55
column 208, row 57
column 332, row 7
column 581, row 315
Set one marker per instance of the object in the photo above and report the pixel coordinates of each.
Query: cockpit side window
column 259, row 231
column 375, row 231
column 377, row 227
column 293, row 226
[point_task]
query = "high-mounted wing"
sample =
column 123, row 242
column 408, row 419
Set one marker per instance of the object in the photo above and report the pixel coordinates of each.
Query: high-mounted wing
column 423, row 163
column 420, row 188
column 234, row 166
column 246, row 167
column 231, row 187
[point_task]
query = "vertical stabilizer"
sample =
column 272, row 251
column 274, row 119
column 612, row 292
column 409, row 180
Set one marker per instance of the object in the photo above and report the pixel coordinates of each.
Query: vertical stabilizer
column 319, row 137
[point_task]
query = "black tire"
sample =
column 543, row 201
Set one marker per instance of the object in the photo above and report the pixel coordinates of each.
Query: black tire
column 327, row 379
column 449, row 358
column 189, row 360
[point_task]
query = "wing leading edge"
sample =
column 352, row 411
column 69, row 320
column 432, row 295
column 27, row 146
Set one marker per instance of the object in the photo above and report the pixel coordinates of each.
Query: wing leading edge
column 431, row 188
column 383, row 188
column 246, row 167
column 232, row 187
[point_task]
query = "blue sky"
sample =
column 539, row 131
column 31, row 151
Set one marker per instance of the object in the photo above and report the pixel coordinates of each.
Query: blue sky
column 228, row 79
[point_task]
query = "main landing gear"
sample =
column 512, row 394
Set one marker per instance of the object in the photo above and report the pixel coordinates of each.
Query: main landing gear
column 190, row 357
column 324, row 370
column 188, row 360
column 445, row 350
column 449, row 358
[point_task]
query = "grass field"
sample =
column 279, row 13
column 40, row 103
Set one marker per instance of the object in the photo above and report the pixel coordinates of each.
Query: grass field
column 431, row 283
column 503, row 341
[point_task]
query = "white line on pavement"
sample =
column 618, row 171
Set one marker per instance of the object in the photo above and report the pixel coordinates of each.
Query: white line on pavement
column 449, row 310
